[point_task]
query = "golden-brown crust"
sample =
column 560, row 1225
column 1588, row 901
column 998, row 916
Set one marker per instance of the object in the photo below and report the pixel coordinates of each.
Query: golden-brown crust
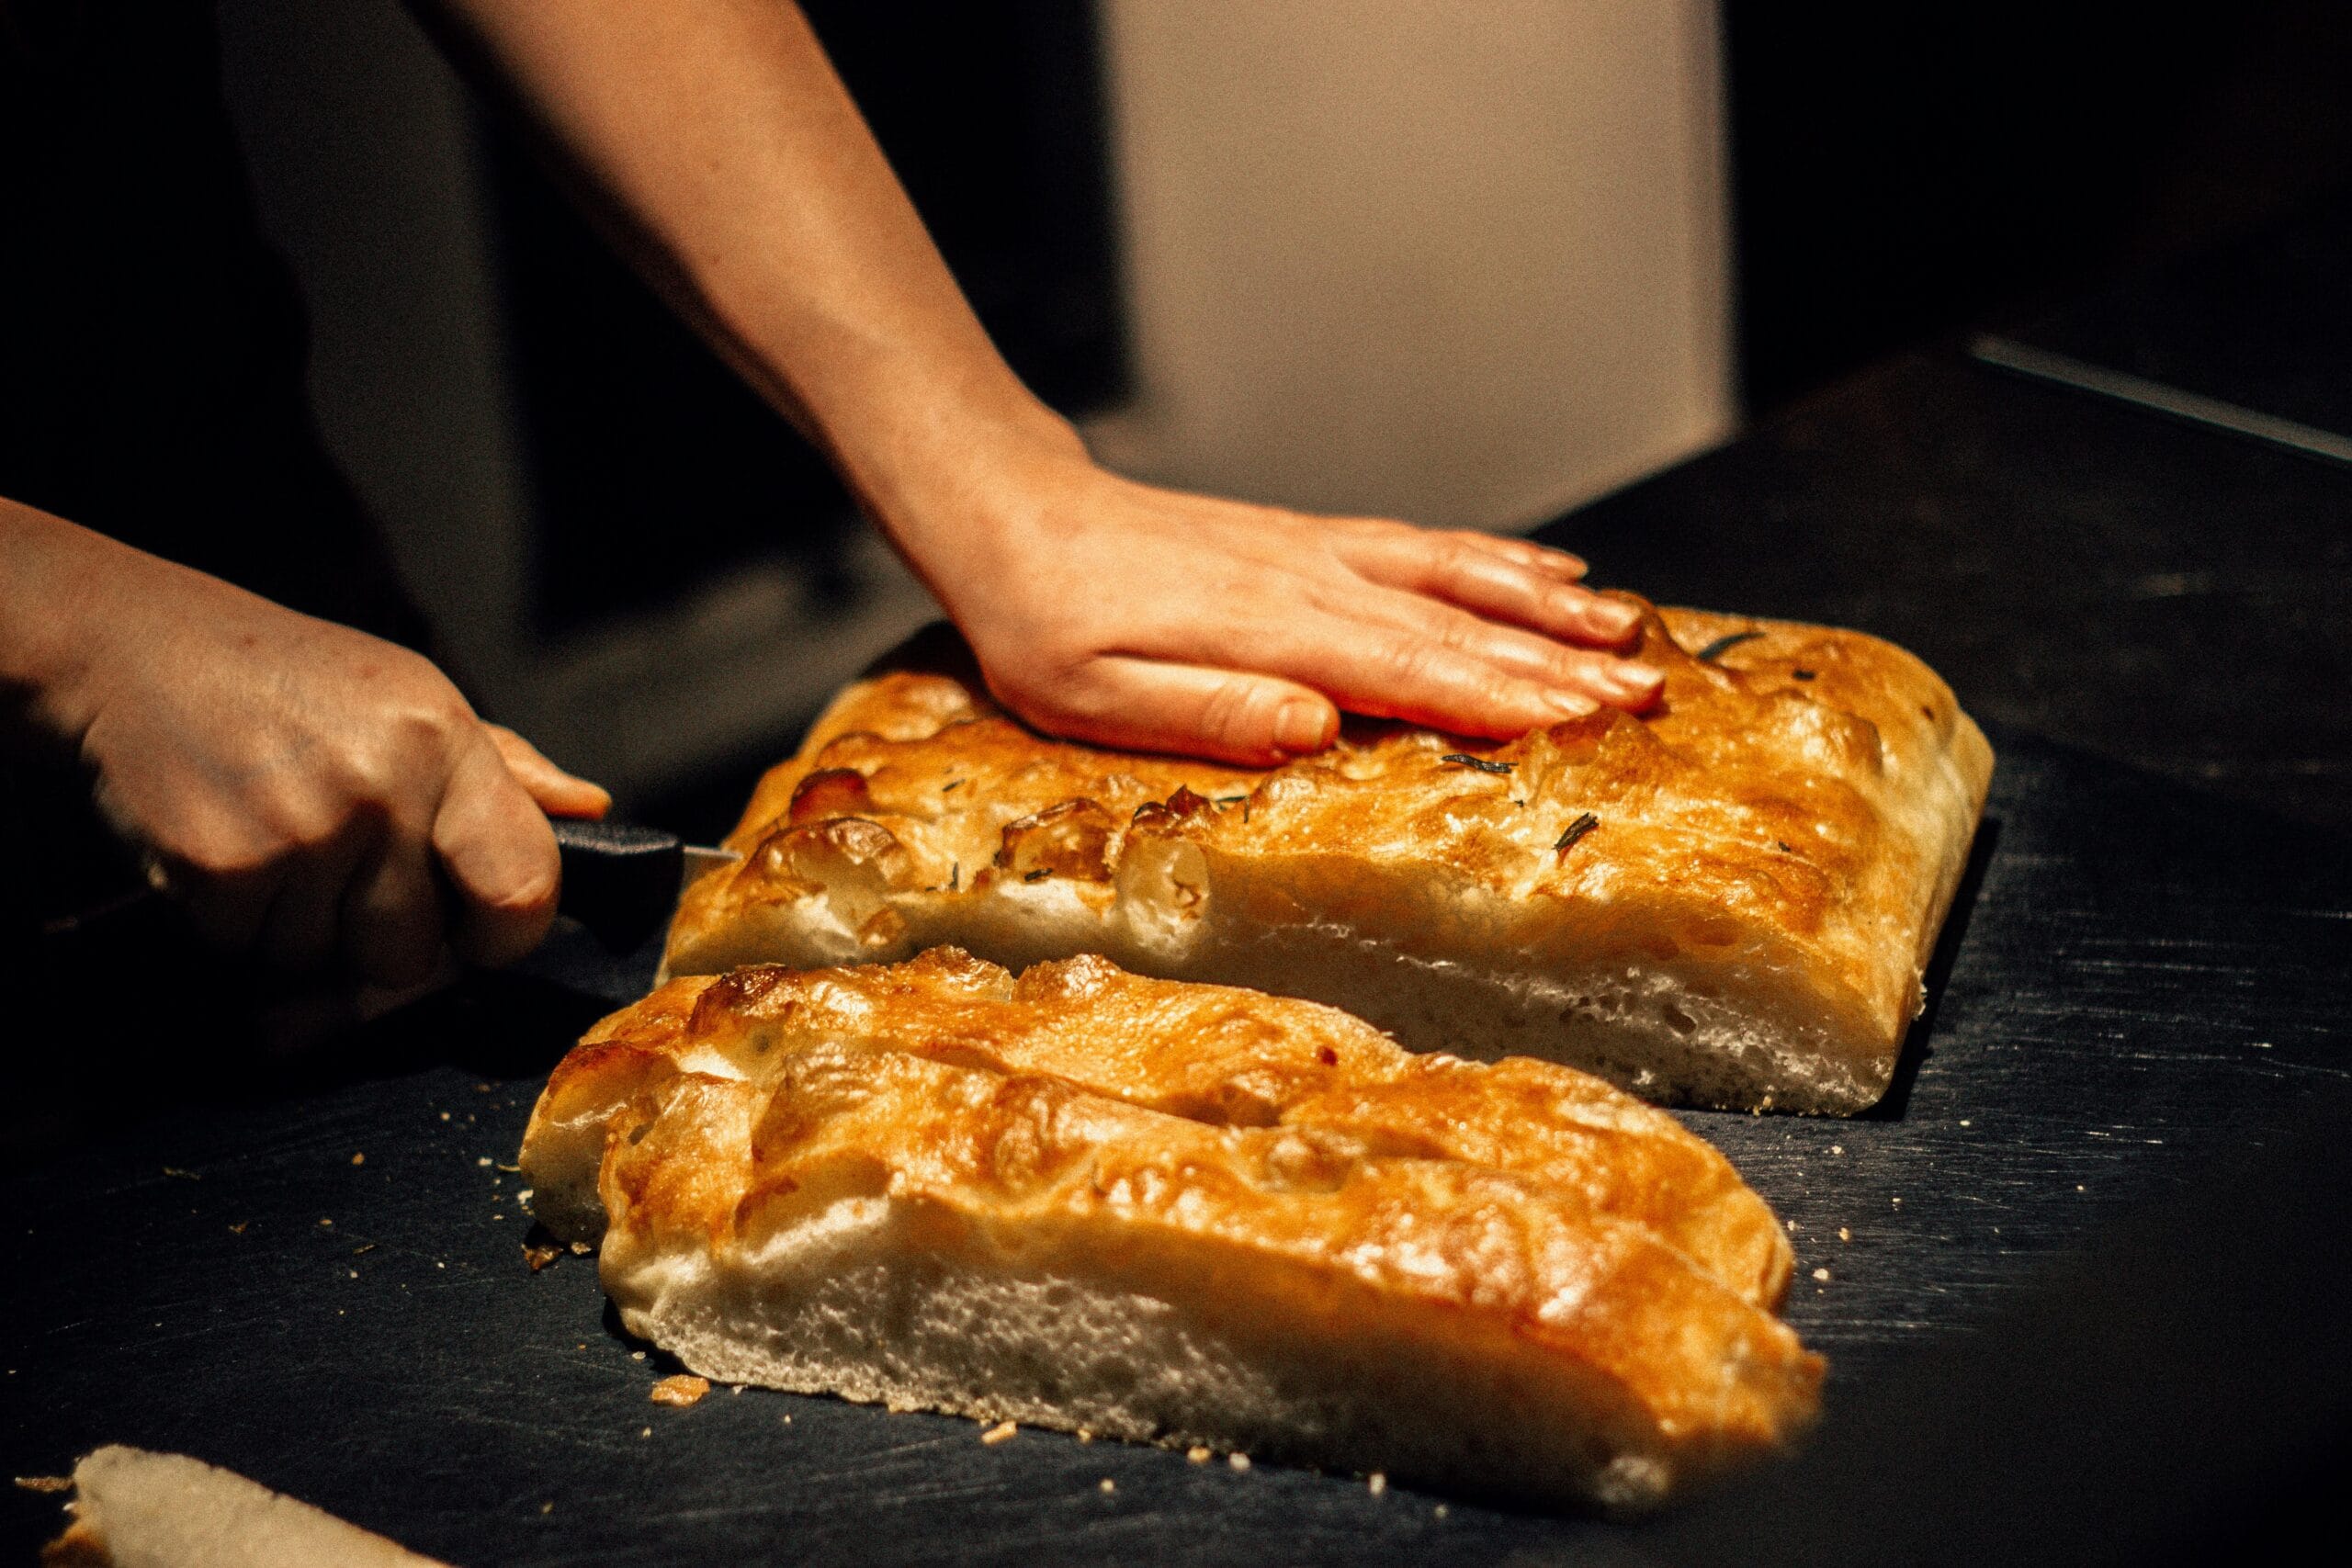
column 1213, row 1055
column 1800, row 801
column 1166, row 1132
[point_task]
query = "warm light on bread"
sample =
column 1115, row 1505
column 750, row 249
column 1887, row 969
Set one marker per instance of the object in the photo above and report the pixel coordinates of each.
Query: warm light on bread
column 1175, row 1213
column 1729, row 901
column 136, row 1509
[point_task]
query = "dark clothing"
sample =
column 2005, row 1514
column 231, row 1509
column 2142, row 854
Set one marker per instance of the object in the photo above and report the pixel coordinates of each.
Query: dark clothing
column 151, row 342
column 151, row 363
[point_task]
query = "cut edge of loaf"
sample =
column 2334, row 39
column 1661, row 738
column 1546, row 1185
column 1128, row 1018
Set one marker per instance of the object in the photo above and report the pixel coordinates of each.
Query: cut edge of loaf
column 899, row 1303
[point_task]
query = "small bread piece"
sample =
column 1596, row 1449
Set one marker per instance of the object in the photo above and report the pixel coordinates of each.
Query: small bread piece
column 137, row 1509
column 1729, row 901
column 1171, row 1213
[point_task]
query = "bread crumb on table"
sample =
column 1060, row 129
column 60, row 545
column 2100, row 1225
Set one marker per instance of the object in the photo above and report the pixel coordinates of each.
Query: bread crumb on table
column 1237, row 1460
column 1002, row 1432
column 1109, row 1485
column 1821, row 1275
column 681, row 1388
column 1198, row 1453
column 1845, row 1234
column 45, row 1482
column 1376, row 1483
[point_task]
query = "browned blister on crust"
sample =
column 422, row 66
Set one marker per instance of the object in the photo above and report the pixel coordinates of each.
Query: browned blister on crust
column 1729, row 901
column 1172, row 1212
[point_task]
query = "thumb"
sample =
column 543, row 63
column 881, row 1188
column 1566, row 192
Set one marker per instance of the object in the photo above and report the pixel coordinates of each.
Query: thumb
column 559, row 794
column 1145, row 705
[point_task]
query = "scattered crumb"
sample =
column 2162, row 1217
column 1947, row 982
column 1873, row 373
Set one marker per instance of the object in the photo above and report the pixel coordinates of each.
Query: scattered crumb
column 1107, row 1485
column 1790, row 1224
column 539, row 1257
column 481, row 1088
column 637, row 1354
column 583, row 1345
column 512, row 1169
column 497, row 1216
column 358, row 1159
column 547, row 1508
column 1440, row 1511
column 737, row 1388
column 1002, row 1432
column 2078, row 1187
column 445, row 1116
column 1198, row 1453
column 182, row 1175
column 1898, row 1203
column 525, row 1194
column 646, row 1432
column 438, row 1264
column 1837, row 1148
column 239, row 1228
column 1964, row 1122
column 1085, row 1434
column 324, row 1221
column 1821, row 1275
column 1845, row 1234
column 65, row 1483
column 1376, row 1483
column 580, row 1249
column 355, row 1273
column 681, row 1390
column 364, row 1248
column 788, row 1420
column 485, row 1160
column 1237, row 1460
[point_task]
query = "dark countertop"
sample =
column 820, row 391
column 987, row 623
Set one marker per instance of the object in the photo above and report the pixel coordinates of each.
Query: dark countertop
column 2169, row 597
column 2145, row 983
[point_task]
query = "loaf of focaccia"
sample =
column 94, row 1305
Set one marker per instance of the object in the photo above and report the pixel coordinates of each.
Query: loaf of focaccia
column 1173, row 1212
column 1727, row 901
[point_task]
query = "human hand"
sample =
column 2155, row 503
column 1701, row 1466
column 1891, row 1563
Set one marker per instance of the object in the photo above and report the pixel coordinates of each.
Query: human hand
column 310, row 794
column 1117, row 613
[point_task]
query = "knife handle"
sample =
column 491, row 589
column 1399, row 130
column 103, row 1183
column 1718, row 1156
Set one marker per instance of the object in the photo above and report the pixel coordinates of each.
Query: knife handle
column 619, row 880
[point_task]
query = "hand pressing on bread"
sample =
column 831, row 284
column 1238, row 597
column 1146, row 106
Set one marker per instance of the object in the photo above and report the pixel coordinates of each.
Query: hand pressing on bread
column 718, row 142
column 1117, row 613
column 310, row 794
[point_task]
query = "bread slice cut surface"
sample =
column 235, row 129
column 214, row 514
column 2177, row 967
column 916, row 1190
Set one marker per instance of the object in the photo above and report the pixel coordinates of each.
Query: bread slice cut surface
column 1172, row 1212
column 1729, row 901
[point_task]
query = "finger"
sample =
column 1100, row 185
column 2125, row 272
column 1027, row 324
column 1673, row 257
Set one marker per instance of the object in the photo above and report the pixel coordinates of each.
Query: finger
column 1145, row 704
column 495, row 846
column 559, row 794
column 393, row 915
column 1620, row 683
column 301, row 930
column 1390, row 672
column 1451, row 567
column 1565, row 565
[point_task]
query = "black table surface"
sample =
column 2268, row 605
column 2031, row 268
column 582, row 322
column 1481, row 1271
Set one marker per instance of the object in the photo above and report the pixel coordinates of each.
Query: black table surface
column 2145, row 979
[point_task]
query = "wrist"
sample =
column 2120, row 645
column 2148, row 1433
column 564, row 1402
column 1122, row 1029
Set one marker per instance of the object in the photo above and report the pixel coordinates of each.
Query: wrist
column 959, row 475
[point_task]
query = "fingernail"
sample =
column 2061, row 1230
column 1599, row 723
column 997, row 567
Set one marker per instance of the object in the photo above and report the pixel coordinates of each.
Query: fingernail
column 1301, row 726
column 1616, row 618
column 1568, row 704
column 1632, row 679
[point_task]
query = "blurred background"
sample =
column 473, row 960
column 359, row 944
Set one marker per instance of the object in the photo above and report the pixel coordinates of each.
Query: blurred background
column 1472, row 265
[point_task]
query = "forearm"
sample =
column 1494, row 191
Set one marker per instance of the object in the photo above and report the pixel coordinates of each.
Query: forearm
column 51, row 573
column 715, row 143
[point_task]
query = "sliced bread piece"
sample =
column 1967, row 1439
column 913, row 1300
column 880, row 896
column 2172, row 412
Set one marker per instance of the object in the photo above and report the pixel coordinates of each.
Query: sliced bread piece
column 1728, row 901
column 1172, row 1212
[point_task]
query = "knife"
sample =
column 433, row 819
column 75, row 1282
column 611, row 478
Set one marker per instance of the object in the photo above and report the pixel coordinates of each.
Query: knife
column 622, row 881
